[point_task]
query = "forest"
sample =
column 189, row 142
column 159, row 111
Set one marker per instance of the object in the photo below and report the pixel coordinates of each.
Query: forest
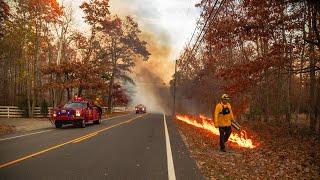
column 264, row 54
column 46, row 59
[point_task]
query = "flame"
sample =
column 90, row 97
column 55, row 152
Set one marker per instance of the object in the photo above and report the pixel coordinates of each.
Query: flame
column 206, row 123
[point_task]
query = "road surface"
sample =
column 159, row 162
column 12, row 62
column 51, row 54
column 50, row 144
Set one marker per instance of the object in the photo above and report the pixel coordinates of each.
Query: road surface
column 133, row 146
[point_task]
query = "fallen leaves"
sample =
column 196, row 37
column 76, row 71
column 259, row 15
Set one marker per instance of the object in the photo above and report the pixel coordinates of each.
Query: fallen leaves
column 5, row 129
column 280, row 155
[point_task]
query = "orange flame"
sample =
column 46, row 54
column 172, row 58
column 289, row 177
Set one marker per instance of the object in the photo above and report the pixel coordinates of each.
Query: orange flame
column 241, row 139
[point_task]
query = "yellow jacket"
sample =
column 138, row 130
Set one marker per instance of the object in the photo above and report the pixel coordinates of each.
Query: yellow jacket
column 222, row 119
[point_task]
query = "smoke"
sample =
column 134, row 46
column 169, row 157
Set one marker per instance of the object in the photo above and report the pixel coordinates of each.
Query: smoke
column 152, row 77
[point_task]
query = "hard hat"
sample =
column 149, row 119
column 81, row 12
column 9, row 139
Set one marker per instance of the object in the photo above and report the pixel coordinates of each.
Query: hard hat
column 225, row 96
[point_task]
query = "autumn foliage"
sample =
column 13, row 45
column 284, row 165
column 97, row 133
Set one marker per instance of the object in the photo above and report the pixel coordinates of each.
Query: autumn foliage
column 44, row 56
column 265, row 54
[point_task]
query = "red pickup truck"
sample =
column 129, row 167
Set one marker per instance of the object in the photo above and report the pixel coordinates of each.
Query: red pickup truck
column 140, row 109
column 77, row 112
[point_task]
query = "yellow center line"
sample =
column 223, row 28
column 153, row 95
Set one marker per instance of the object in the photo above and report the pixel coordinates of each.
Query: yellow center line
column 84, row 138
column 65, row 143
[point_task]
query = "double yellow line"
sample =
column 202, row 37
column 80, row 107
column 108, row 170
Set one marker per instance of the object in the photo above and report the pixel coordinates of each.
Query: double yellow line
column 85, row 137
column 76, row 140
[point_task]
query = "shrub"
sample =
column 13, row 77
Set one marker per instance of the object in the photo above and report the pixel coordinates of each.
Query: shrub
column 44, row 108
column 23, row 105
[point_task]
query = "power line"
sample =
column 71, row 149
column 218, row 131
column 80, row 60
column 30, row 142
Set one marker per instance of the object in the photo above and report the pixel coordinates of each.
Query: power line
column 198, row 22
column 204, row 26
column 194, row 32
column 207, row 29
column 195, row 45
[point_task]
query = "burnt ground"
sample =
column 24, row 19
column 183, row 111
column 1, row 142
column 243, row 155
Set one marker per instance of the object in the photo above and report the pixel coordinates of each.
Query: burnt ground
column 281, row 153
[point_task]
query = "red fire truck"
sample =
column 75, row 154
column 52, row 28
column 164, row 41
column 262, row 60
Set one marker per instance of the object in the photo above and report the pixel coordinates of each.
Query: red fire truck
column 77, row 112
column 140, row 109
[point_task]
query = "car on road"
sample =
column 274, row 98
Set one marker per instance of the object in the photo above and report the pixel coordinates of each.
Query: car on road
column 140, row 109
column 78, row 112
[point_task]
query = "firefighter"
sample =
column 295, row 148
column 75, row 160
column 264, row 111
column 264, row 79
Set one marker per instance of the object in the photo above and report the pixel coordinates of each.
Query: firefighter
column 223, row 118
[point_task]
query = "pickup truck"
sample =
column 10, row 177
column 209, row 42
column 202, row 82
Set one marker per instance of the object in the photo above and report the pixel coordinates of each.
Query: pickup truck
column 78, row 112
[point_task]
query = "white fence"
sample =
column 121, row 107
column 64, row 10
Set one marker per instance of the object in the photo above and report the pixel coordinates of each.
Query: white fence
column 16, row 112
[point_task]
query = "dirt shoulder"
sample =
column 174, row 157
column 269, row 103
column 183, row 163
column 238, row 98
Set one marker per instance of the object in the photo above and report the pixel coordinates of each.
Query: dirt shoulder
column 10, row 125
column 281, row 154
column 6, row 129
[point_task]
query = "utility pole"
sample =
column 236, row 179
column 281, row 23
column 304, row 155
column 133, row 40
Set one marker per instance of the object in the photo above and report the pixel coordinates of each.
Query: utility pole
column 174, row 90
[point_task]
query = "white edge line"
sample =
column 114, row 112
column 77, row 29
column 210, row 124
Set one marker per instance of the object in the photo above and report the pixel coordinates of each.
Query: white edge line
column 14, row 137
column 171, row 172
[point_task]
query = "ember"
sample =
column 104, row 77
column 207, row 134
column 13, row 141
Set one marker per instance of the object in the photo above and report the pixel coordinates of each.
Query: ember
column 207, row 123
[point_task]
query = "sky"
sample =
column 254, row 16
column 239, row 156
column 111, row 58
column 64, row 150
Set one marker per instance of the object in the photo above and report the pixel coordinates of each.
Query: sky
column 177, row 18
column 173, row 19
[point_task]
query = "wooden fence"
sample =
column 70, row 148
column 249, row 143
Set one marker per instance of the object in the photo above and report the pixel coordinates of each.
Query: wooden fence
column 16, row 112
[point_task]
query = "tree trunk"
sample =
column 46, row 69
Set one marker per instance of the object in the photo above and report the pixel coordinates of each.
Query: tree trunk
column 80, row 90
column 114, row 68
column 312, row 74
column 318, row 107
column 313, row 105
column 288, row 111
column 302, row 60
column 110, row 93
column 300, row 99
column 68, row 94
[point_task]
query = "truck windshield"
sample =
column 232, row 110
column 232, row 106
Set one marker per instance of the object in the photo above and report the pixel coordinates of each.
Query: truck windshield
column 75, row 105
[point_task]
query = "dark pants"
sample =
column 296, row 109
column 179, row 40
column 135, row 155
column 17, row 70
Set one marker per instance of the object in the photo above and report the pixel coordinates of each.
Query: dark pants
column 224, row 135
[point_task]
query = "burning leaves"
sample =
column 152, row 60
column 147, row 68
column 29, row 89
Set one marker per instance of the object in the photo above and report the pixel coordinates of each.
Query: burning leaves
column 207, row 124
column 281, row 154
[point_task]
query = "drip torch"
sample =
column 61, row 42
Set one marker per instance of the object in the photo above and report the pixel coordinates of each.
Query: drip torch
column 236, row 125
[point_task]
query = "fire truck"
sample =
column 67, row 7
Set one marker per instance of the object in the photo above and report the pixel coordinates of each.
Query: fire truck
column 140, row 109
column 78, row 112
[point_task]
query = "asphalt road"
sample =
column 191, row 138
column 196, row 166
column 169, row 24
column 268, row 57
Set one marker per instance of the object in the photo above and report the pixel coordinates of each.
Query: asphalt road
column 128, row 147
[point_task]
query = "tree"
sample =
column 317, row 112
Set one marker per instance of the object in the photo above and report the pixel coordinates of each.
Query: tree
column 4, row 15
column 42, row 57
column 250, row 46
column 123, row 48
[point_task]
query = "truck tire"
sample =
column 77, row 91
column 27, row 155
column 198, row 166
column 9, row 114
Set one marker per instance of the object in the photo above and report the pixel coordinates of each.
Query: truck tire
column 97, row 121
column 58, row 124
column 82, row 123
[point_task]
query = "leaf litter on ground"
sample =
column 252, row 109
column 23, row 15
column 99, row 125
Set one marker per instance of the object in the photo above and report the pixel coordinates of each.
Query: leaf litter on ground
column 281, row 153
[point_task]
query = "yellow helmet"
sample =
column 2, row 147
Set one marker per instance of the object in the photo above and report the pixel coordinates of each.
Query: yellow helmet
column 225, row 96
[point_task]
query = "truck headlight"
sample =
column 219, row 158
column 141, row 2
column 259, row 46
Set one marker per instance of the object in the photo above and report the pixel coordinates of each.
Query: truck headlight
column 77, row 113
column 54, row 114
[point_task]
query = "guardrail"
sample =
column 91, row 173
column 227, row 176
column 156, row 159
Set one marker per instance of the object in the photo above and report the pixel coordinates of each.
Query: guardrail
column 16, row 112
